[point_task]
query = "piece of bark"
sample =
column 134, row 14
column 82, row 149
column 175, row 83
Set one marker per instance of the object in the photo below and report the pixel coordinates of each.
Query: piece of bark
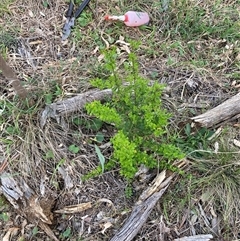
column 204, row 237
column 145, row 204
column 68, row 106
column 12, row 78
column 27, row 202
column 143, row 208
column 225, row 111
column 74, row 208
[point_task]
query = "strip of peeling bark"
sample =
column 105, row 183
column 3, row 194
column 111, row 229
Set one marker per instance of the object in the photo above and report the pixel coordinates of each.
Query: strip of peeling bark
column 225, row 111
column 12, row 78
column 204, row 237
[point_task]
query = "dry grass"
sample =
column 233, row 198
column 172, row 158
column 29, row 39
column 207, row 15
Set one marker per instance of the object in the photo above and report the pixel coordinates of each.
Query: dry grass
column 178, row 47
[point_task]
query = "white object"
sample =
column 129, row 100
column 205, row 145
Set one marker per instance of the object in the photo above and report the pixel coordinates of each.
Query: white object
column 131, row 18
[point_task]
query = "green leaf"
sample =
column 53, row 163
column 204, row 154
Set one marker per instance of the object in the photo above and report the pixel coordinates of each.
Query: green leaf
column 35, row 231
column 128, row 191
column 67, row 233
column 74, row 149
column 103, row 112
column 94, row 124
column 58, row 90
column 84, row 19
column 48, row 98
column 49, row 154
column 188, row 129
column 100, row 157
column 78, row 121
column 45, row 4
column 4, row 216
column 99, row 137
column 11, row 130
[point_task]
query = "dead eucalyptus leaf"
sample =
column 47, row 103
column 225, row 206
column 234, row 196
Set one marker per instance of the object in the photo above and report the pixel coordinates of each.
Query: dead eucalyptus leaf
column 106, row 226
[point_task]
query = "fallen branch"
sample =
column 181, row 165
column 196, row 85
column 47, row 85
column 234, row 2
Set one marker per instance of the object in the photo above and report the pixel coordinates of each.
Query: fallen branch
column 144, row 206
column 68, row 106
column 12, row 78
column 225, row 111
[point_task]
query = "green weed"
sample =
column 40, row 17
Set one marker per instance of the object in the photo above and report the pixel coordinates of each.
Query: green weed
column 66, row 234
column 74, row 149
column 94, row 124
column 55, row 92
column 7, row 41
column 128, row 191
column 135, row 110
column 93, row 173
column 45, row 3
column 214, row 178
column 192, row 141
column 4, row 216
column 49, row 155
column 34, row 231
column 84, row 19
column 4, row 6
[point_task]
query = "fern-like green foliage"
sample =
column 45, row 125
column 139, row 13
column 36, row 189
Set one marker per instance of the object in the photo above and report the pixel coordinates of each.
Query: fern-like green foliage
column 136, row 111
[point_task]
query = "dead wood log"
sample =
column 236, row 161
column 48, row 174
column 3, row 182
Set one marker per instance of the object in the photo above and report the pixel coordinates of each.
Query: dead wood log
column 225, row 111
column 144, row 206
column 68, row 106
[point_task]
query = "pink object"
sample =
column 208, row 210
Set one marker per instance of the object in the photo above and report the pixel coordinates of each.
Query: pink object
column 131, row 18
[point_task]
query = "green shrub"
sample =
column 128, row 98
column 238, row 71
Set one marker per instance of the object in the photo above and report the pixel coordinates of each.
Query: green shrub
column 136, row 111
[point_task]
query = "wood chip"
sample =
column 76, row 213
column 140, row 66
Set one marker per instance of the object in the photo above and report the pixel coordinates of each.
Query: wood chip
column 236, row 143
